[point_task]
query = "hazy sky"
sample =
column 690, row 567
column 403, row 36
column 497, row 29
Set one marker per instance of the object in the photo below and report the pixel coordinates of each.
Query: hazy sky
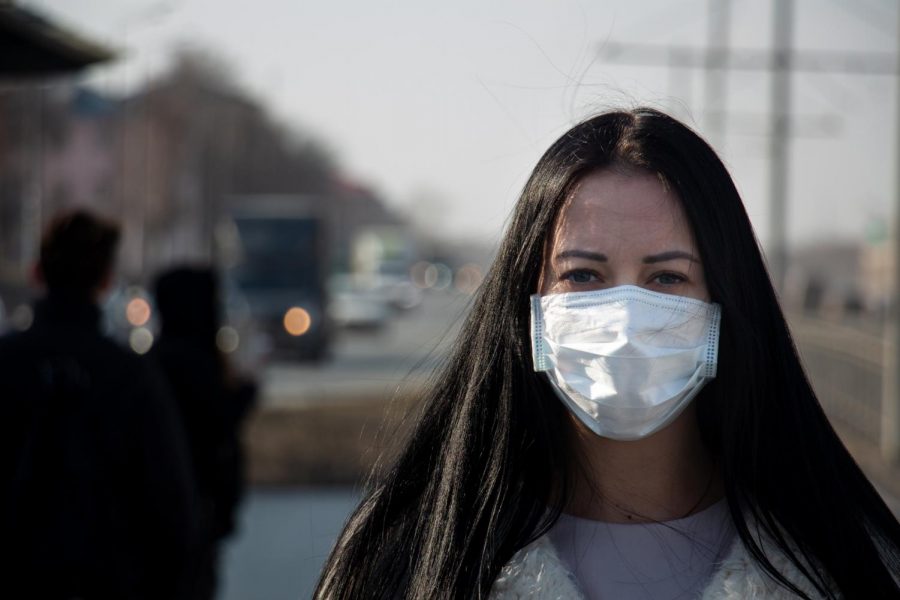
column 445, row 106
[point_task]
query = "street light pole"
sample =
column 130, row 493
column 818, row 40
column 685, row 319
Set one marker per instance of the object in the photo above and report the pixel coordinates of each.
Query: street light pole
column 716, row 79
column 780, row 111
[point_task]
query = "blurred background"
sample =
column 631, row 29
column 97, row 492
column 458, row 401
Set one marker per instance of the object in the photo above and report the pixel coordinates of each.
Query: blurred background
column 349, row 167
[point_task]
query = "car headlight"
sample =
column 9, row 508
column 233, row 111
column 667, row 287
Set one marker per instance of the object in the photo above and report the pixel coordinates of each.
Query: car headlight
column 297, row 321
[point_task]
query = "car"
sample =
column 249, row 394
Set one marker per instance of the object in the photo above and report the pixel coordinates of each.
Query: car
column 357, row 303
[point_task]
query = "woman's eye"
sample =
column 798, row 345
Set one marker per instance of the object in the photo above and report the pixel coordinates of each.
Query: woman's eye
column 580, row 277
column 668, row 279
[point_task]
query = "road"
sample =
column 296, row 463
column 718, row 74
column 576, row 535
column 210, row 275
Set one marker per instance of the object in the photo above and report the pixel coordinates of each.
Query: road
column 406, row 348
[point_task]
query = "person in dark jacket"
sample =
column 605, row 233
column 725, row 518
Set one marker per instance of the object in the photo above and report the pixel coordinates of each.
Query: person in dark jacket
column 213, row 402
column 97, row 498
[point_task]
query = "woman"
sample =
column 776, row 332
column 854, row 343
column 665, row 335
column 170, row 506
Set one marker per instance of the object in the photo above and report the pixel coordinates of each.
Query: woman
column 213, row 402
column 515, row 444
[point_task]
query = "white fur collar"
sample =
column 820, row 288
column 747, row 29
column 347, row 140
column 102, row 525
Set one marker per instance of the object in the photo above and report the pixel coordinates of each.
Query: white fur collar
column 536, row 572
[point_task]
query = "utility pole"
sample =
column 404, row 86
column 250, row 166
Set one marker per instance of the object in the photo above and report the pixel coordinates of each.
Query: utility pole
column 779, row 140
column 716, row 80
column 890, row 399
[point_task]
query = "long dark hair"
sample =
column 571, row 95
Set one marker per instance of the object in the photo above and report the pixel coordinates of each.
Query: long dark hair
column 486, row 469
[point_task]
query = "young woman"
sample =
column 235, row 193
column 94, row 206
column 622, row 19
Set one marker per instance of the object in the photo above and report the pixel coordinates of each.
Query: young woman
column 624, row 414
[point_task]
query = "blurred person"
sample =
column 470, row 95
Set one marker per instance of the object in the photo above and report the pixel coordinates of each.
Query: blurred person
column 213, row 403
column 813, row 294
column 624, row 414
column 97, row 499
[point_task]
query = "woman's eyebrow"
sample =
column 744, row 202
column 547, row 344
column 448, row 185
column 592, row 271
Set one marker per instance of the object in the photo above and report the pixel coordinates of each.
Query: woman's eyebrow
column 669, row 255
column 596, row 256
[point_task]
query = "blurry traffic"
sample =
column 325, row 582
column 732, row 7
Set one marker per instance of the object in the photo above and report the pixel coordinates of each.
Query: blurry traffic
column 270, row 313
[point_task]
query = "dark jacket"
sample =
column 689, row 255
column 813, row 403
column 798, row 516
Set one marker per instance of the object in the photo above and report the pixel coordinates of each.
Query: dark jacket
column 212, row 407
column 97, row 500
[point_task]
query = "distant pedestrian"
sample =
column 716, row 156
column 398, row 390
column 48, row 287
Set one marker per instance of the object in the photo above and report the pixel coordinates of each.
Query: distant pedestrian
column 96, row 498
column 213, row 401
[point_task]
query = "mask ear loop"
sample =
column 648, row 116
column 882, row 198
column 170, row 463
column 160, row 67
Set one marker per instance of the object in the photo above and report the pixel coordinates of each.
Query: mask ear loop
column 538, row 356
column 712, row 341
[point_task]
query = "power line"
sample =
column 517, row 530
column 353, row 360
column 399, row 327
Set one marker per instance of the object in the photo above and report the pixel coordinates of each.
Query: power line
column 748, row 59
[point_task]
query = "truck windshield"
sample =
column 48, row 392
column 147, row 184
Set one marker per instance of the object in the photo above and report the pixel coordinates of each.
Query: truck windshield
column 277, row 253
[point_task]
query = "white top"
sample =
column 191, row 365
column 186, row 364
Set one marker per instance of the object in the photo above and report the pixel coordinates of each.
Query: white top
column 662, row 561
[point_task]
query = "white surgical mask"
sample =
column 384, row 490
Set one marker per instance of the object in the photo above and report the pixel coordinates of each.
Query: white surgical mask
column 625, row 360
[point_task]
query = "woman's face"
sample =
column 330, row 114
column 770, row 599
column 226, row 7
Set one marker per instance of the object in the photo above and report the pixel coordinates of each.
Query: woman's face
column 622, row 228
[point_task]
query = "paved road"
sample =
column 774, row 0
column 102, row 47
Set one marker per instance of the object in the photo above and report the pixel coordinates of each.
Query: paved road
column 892, row 501
column 408, row 347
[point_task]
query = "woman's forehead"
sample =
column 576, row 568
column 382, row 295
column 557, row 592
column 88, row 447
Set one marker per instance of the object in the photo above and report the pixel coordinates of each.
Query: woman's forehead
column 615, row 209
